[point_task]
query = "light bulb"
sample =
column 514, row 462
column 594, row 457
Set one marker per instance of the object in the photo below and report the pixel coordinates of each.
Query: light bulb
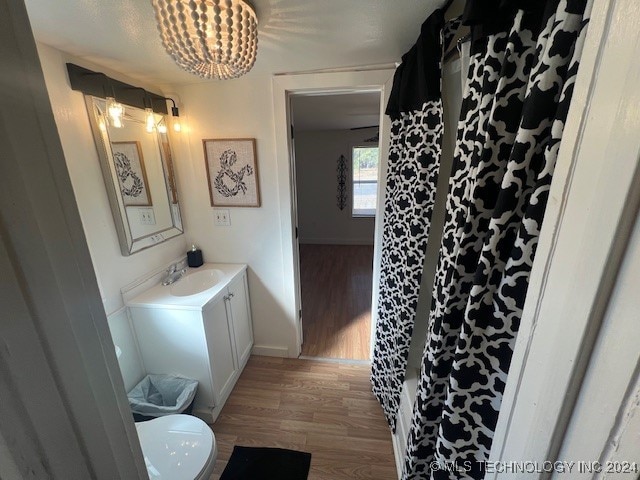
column 162, row 128
column 115, row 111
column 150, row 120
column 175, row 117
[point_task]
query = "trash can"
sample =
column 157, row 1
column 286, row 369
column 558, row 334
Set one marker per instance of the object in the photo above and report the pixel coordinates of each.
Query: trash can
column 159, row 395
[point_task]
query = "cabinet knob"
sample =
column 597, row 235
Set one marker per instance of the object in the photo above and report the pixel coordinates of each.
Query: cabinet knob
column 231, row 295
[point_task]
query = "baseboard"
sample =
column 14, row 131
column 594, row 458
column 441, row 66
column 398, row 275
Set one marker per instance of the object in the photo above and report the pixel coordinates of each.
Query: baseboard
column 398, row 453
column 403, row 421
column 266, row 351
column 344, row 361
column 336, row 241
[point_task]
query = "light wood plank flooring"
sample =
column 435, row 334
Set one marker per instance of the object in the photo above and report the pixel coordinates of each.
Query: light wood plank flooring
column 336, row 300
column 326, row 409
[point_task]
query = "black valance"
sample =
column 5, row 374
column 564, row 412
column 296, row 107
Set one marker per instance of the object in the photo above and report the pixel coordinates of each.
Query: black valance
column 417, row 79
column 489, row 17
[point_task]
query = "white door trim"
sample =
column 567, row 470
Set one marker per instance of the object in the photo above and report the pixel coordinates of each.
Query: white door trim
column 63, row 407
column 283, row 87
column 591, row 209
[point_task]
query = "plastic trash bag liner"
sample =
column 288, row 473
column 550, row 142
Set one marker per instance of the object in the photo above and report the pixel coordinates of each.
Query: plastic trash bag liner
column 159, row 395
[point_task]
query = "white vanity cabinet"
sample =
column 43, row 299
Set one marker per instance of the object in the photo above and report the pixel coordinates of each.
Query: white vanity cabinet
column 207, row 336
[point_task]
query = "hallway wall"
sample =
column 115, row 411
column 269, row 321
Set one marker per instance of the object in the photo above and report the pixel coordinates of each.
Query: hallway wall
column 320, row 221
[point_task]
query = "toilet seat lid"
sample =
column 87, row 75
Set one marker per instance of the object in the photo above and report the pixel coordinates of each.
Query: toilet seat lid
column 176, row 447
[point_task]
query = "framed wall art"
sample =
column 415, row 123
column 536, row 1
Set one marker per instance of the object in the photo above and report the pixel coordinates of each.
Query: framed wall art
column 232, row 172
column 132, row 176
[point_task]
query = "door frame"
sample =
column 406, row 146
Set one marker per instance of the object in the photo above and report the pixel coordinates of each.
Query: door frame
column 63, row 406
column 284, row 87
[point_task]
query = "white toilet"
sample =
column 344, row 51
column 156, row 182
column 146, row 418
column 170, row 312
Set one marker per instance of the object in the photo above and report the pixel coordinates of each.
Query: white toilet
column 177, row 447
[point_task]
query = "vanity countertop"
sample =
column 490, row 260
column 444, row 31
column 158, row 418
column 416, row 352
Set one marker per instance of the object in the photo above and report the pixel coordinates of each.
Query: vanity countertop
column 160, row 295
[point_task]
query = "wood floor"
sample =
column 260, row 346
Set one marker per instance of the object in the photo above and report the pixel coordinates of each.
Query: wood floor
column 336, row 300
column 326, row 409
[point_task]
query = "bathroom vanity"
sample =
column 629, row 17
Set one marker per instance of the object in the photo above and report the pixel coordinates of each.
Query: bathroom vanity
column 199, row 327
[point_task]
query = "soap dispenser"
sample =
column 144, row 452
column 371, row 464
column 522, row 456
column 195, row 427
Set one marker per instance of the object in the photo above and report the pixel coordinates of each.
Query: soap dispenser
column 194, row 257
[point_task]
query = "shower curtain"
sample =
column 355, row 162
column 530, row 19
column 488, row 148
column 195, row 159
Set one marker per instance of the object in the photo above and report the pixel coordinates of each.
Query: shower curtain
column 415, row 108
column 524, row 59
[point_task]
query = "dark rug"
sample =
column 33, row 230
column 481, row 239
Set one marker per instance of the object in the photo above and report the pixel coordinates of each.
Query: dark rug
column 249, row 463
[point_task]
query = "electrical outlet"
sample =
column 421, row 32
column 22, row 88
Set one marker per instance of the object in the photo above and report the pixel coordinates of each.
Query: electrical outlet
column 222, row 217
column 147, row 217
column 158, row 237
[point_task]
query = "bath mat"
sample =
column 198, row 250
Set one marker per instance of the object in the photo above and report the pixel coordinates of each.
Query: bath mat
column 250, row 463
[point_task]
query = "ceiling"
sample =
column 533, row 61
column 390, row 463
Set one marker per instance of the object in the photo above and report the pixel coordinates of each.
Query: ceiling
column 293, row 35
column 335, row 112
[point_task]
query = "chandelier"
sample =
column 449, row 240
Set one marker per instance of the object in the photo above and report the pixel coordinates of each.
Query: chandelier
column 209, row 38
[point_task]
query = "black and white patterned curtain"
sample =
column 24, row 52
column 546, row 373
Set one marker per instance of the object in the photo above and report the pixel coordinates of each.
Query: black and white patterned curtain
column 415, row 108
column 524, row 59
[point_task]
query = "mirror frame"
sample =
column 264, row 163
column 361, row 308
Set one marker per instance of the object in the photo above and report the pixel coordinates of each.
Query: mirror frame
column 128, row 244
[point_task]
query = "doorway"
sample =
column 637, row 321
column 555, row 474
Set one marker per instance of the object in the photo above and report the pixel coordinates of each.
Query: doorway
column 336, row 165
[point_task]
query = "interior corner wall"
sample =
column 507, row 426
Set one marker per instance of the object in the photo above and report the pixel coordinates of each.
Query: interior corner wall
column 239, row 108
column 320, row 221
column 113, row 270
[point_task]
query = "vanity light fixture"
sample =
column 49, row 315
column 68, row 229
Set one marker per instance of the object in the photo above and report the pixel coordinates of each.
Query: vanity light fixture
column 175, row 117
column 99, row 85
column 215, row 39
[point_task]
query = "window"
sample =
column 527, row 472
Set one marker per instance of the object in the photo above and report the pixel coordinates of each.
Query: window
column 365, row 181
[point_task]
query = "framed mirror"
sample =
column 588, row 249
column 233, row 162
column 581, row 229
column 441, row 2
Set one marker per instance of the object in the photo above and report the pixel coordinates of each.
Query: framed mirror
column 138, row 173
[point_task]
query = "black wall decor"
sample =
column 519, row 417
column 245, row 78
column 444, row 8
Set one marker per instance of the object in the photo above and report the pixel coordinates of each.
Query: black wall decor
column 342, row 182
column 100, row 85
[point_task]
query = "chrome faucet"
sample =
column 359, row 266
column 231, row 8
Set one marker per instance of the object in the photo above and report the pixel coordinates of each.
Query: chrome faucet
column 173, row 275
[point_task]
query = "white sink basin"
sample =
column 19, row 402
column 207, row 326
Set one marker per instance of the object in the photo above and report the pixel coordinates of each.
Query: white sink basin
column 196, row 282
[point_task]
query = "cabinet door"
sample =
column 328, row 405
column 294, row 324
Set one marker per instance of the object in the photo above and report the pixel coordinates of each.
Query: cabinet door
column 219, row 341
column 241, row 313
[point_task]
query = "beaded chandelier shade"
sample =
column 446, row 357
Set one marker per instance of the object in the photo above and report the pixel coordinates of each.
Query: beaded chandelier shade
column 209, row 38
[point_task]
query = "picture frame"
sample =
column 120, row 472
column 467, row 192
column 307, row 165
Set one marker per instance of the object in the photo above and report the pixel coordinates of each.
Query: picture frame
column 132, row 175
column 232, row 172
column 171, row 177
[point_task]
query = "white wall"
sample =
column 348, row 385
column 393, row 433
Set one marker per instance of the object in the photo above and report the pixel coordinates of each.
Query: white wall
column 319, row 218
column 8, row 468
column 123, row 336
column 112, row 269
column 609, row 398
column 241, row 108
